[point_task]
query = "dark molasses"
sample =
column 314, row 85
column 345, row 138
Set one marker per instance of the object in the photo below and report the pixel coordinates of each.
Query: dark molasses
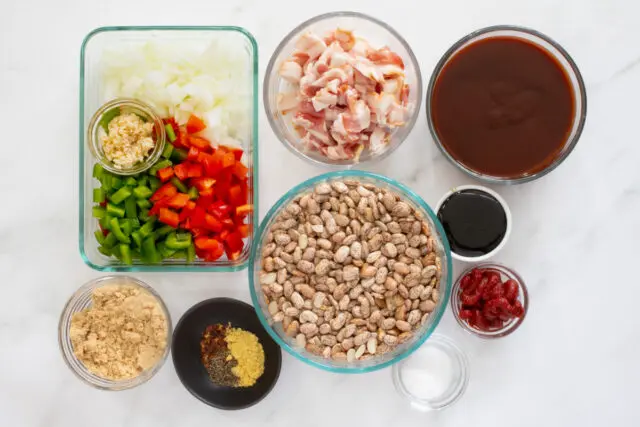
column 474, row 221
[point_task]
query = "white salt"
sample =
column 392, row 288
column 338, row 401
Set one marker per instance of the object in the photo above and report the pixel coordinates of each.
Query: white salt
column 428, row 373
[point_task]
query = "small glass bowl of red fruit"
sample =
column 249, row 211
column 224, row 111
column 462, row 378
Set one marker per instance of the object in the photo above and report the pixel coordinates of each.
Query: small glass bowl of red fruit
column 490, row 300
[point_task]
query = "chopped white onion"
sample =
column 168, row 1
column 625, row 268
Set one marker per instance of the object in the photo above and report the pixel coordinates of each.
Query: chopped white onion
column 180, row 79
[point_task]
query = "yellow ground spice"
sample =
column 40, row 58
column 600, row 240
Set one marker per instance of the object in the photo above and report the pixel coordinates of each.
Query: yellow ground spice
column 247, row 350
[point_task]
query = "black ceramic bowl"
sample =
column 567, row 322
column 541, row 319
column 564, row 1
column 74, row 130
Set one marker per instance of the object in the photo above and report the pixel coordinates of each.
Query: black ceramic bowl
column 186, row 353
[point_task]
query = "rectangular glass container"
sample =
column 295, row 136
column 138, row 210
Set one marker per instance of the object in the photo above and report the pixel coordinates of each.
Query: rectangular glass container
column 91, row 89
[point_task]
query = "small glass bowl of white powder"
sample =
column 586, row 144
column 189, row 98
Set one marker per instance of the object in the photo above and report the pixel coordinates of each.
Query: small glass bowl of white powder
column 435, row 376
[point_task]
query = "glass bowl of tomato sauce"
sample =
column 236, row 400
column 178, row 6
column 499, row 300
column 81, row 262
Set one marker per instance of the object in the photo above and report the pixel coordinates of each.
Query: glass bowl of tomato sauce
column 506, row 104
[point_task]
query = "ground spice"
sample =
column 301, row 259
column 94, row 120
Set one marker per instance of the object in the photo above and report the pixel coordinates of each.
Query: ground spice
column 247, row 350
column 215, row 356
column 123, row 333
column 232, row 357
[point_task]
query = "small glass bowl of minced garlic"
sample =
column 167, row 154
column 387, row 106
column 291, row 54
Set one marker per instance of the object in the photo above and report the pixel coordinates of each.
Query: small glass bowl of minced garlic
column 126, row 136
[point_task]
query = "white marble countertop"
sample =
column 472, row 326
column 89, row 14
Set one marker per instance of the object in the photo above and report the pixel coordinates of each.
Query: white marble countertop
column 573, row 362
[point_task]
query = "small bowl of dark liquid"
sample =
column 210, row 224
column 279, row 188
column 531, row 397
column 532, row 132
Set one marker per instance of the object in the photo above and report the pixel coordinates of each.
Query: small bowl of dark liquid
column 476, row 220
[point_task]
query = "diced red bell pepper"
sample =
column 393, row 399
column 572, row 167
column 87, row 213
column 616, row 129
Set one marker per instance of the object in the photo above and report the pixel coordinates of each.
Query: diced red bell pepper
column 182, row 139
column 193, row 154
column 243, row 230
column 240, row 170
column 207, row 243
column 228, row 160
column 204, row 183
column 220, row 210
column 228, row 223
column 237, row 152
column 206, row 193
column 198, row 217
column 212, row 223
column 199, row 142
column 244, row 210
column 213, row 164
column 181, row 171
column 214, row 254
column 199, row 232
column 165, row 174
column 236, row 196
column 234, row 242
column 169, row 217
column 194, row 170
column 204, row 201
column 167, row 190
column 178, row 201
column 195, row 124
column 186, row 212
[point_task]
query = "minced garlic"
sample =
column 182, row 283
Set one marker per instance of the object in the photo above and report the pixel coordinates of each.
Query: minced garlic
column 128, row 141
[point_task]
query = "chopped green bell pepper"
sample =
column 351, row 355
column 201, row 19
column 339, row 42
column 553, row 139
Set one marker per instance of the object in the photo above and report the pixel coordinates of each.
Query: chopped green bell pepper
column 193, row 193
column 142, row 192
column 154, row 183
column 168, row 149
column 126, row 227
column 116, row 182
column 172, row 242
column 104, row 250
column 125, row 254
column 117, row 231
column 164, row 250
column 179, row 155
column 114, row 210
column 98, row 212
column 137, row 238
column 170, row 132
column 131, row 182
column 98, row 195
column 110, row 240
column 130, row 208
column 99, row 236
column 149, row 251
column 146, row 229
column 98, row 171
column 143, row 204
column 120, row 195
column 191, row 253
column 179, row 185
column 164, row 230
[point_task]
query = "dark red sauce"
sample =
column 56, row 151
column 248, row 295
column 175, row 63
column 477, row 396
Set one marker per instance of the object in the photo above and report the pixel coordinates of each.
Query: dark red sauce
column 503, row 106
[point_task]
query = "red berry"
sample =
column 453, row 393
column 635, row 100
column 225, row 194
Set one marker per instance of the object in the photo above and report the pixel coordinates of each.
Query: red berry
column 511, row 290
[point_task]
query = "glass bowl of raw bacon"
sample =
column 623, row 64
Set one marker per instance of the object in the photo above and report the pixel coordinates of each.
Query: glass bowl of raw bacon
column 341, row 89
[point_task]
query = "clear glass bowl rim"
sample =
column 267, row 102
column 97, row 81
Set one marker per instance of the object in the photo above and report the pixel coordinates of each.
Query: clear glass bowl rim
column 271, row 69
column 305, row 186
column 506, row 330
column 192, row 268
column 582, row 94
column 63, row 333
column 156, row 153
